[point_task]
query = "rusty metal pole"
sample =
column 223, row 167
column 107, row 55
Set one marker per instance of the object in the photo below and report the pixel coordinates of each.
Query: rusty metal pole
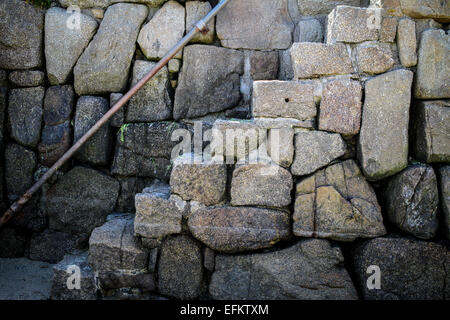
column 200, row 26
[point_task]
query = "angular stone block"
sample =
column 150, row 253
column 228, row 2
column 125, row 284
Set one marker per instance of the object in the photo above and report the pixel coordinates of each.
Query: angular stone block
column 58, row 104
column 55, row 141
column 374, row 58
column 196, row 10
column 444, row 177
column 27, row 78
column 406, row 42
column 316, row 7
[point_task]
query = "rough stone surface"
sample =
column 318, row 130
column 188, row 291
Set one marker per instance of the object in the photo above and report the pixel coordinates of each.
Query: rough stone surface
column 263, row 65
column 433, row 67
column 431, row 130
column 261, row 184
column 114, row 247
column 163, row 31
column 180, row 269
column 337, row 203
column 196, row 10
column 27, row 78
column 438, row 10
column 13, row 243
column 286, row 99
column 58, row 104
column 374, row 59
column 406, row 42
column 255, row 24
column 22, row 30
column 319, row 59
column 99, row 4
column 351, row 25
column 118, row 119
column 152, row 102
column 270, row 276
column 315, row 7
column 209, row 81
column 55, row 141
column 340, row 107
column 88, row 111
column 65, row 42
column 108, row 280
column 280, row 146
column 308, row 30
column 20, row 164
column 104, row 65
column 411, row 199
column 235, row 229
column 444, row 177
column 202, row 182
column 25, row 115
column 410, row 269
column 388, row 29
column 51, row 246
column 88, row 290
column 314, row 150
column 81, row 200
column 383, row 140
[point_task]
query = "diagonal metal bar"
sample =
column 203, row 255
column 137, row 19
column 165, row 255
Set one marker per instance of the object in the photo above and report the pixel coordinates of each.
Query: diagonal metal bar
column 200, row 26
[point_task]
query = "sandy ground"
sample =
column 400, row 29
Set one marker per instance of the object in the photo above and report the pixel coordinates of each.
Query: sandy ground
column 24, row 279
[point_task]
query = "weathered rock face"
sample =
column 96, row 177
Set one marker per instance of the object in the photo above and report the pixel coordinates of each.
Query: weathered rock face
column 55, row 141
column 20, row 164
column 152, row 102
column 412, row 201
column 383, row 140
column 22, row 29
column 103, row 67
column 196, row 10
column 25, row 115
column 180, row 269
column 261, row 184
column 235, row 229
column 247, row 24
column 144, row 150
column 337, row 203
column 163, row 31
column 340, row 107
column 157, row 215
column 444, row 176
column 113, row 246
column 263, row 65
column 81, row 200
column 27, row 78
column 388, row 30
column 315, row 7
column 319, row 59
column 374, row 58
column 202, row 182
column 431, row 130
column 108, row 280
column 308, row 30
column 208, row 82
column 439, row 10
column 277, row 275
column 13, row 243
column 88, row 111
column 433, row 67
column 106, row 3
column 51, row 246
column 58, row 104
column 60, row 291
column 314, row 150
column 351, row 24
column 406, row 42
column 286, row 99
column 280, row 146
column 410, row 269
column 65, row 42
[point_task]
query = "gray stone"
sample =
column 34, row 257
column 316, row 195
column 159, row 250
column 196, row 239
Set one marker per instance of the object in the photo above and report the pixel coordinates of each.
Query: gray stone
column 118, row 119
column 129, row 187
column 27, row 78
column 55, row 141
column 308, row 30
column 261, row 184
column 196, row 10
column 280, row 146
column 81, row 200
column 410, row 269
column 340, row 107
column 435, row 9
column 63, row 272
column 152, row 102
column 383, row 140
column 209, row 81
column 255, row 24
column 163, row 31
column 412, row 201
column 319, row 59
column 263, row 65
column 58, row 104
column 22, row 30
column 126, row 279
column 277, row 276
column 433, row 67
column 114, row 247
column 388, row 29
column 13, row 243
column 25, row 115
column 337, row 203
column 431, row 130
column 406, row 42
column 88, row 111
column 314, row 150
column 286, row 71
column 203, row 182
column 444, row 177
column 236, row 229
column 20, row 164
column 180, row 269
column 286, row 99
column 65, row 41
column 316, row 7
column 374, row 58
column 106, row 3
column 51, row 246
column 425, row 24
column 104, row 65
column 209, row 257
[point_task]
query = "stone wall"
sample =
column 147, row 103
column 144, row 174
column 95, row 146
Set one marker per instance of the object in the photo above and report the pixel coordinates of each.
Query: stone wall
column 346, row 101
